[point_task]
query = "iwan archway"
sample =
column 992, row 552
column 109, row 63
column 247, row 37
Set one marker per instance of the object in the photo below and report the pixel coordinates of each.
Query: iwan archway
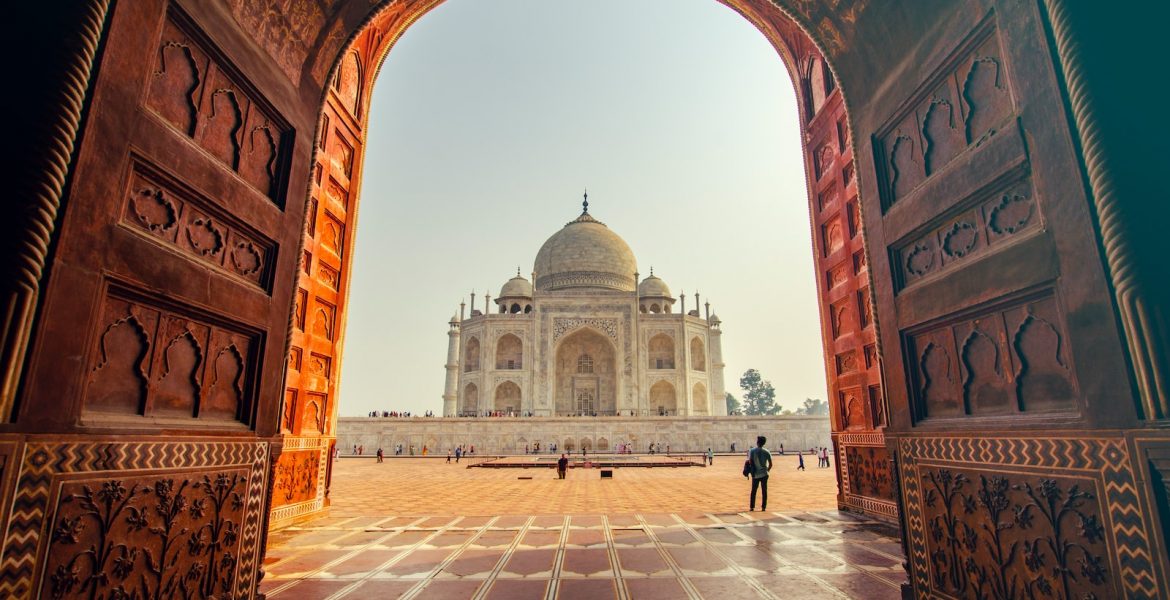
column 166, row 268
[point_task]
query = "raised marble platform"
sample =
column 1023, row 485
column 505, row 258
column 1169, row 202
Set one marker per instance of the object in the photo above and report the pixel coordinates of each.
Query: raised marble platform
column 510, row 435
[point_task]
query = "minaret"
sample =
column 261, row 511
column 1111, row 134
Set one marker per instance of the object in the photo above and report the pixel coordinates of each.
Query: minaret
column 450, row 390
column 715, row 342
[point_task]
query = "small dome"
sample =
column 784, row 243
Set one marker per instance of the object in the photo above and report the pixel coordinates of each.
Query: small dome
column 516, row 287
column 654, row 287
column 585, row 254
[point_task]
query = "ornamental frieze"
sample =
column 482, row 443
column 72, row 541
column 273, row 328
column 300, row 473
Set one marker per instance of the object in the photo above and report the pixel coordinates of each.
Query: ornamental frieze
column 561, row 326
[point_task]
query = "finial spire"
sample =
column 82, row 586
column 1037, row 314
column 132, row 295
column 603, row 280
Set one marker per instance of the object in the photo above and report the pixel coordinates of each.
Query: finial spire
column 585, row 204
column 517, row 270
column 651, row 270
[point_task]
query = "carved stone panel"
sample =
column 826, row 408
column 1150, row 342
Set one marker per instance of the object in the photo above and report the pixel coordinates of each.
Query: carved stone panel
column 144, row 519
column 295, row 478
column 869, row 472
column 1001, row 215
column 201, row 94
column 182, row 219
column 152, row 359
column 164, row 535
column 1007, row 360
column 960, row 106
column 1025, row 518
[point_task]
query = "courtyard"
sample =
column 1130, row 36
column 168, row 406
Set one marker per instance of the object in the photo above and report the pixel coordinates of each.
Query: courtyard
column 420, row 528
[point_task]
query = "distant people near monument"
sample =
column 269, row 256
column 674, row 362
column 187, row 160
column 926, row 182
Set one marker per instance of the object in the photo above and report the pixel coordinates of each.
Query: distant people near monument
column 379, row 454
column 355, row 448
column 562, row 466
column 424, row 453
column 361, row 450
column 448, row 456
column 458, row 453
column 761, row 463
column 526, row 449
column 412, row 449
column 710, row 457
column 799, row 460
column 825, row 457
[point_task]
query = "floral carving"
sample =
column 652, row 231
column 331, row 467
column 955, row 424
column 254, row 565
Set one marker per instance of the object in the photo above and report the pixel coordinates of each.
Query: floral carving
column 147, row 538
column 609, row 327
column 1011, row 537
column 960, row 239
column 205, row 237
column 246, row 259
column 296, row 477
column 1011, row 214
column 920, row 260
column 153, row 209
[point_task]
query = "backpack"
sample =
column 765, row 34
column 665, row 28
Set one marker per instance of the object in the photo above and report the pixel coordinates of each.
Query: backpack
column 747, row 466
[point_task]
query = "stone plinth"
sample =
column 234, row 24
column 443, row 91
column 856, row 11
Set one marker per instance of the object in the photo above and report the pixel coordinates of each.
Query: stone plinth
column 503, row 435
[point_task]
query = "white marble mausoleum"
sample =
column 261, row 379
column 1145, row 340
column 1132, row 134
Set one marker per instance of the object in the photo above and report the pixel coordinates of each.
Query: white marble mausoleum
column 588, row 339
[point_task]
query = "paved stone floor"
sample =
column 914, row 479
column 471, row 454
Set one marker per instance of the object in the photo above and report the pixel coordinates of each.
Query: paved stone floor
column 415, row 528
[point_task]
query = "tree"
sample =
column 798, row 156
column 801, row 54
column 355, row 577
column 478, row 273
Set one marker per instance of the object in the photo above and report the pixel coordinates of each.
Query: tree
column 813, row 406
column 758, row 394
column 733, row 406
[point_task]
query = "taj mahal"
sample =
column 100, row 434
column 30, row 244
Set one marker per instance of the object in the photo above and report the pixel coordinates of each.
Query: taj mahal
column 588, row 339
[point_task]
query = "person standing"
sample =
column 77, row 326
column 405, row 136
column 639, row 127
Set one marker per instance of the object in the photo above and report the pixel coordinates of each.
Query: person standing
column 458, row 453
column 448, row 456
column 562, row 466
column 800, row 460
column 761, row 461
column 379, row 454
column 825, row 457
column 710, row 457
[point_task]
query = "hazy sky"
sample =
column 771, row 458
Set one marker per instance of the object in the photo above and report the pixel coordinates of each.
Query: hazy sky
column 489, row 118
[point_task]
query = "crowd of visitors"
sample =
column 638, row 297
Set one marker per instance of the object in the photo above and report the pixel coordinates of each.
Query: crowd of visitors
column 395, row 414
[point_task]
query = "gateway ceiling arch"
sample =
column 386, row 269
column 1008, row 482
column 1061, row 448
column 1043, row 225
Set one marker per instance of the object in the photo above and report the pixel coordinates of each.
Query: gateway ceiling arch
column 981, row 269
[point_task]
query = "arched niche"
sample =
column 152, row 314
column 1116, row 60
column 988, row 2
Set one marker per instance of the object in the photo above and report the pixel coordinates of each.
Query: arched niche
column 471, row 399
column 509, row 352
column 698, row 355
column 660, row 351
column 585, row 374
column 663, row 398
column 471, row 355
column 699, row 400
column 507, row 397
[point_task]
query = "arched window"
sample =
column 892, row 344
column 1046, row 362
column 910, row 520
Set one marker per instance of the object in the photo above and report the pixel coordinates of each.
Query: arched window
column 585, row 402
column 698, row 355
column 471, row 355
column 584, row 364
column 527, row 308
column 509, row 352
column 654, row 308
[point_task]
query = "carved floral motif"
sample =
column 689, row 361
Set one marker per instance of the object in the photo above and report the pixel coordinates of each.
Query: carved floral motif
column 147, row 537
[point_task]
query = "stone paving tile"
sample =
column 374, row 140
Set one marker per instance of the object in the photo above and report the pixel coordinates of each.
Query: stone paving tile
column 610, row 548
column 659, row 588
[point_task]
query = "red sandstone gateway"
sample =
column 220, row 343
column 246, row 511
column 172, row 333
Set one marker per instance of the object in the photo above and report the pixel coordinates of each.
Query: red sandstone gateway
column 993, row 318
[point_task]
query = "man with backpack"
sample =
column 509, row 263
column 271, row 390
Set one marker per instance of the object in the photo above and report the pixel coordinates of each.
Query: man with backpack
column 759, row 463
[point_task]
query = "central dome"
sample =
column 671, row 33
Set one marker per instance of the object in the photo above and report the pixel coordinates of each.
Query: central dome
column 585, row 254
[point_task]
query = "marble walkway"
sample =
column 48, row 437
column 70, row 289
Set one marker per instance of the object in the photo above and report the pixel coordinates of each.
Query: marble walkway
column 592, row 553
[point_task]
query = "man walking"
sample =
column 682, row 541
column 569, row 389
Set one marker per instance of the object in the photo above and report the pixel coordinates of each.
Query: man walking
column 562, row 466
column 800, row 460
column 761, row 461
column 710, row 457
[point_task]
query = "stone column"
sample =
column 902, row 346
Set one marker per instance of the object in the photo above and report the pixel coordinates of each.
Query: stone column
column 451, row 390
column 715, row 347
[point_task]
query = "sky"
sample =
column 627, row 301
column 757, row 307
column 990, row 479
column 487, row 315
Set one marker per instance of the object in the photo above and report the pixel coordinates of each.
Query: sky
column 488, row 120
